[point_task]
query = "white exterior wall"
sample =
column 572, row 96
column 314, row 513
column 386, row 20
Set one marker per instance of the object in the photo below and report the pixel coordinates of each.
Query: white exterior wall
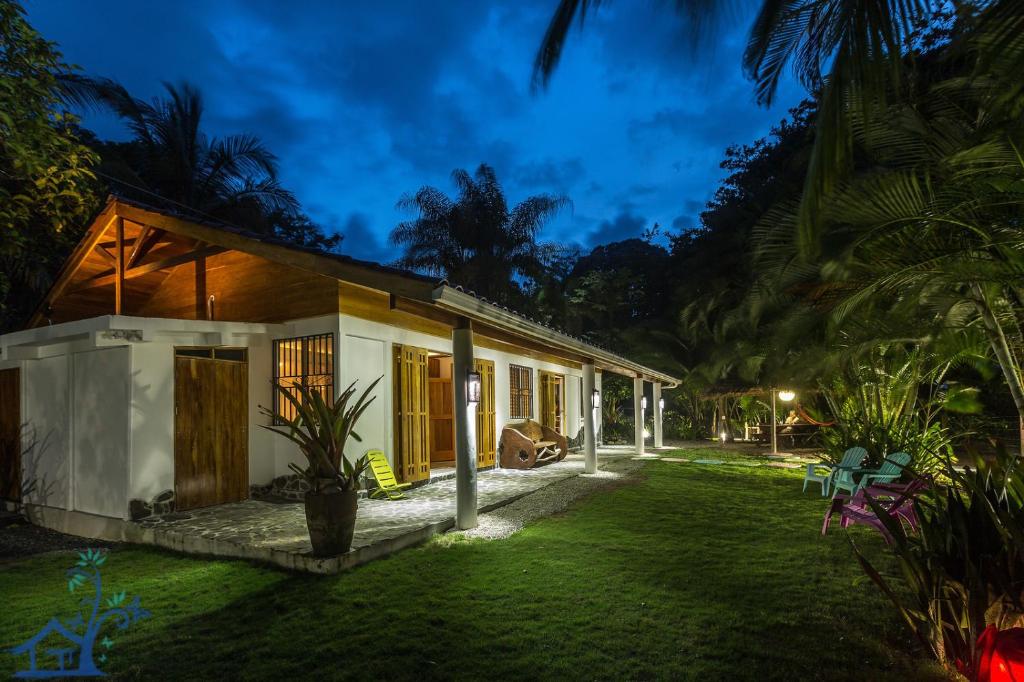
column 377, row 339
column 101, row 404
column 100, row 440
column 100, row 409
column 46, row 462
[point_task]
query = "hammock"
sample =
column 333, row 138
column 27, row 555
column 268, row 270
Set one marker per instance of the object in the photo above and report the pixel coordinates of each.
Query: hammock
column 809, row 419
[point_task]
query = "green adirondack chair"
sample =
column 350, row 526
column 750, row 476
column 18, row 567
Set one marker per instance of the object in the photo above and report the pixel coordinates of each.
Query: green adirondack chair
column 824, row 472
column 387, row 484
column 891, row 469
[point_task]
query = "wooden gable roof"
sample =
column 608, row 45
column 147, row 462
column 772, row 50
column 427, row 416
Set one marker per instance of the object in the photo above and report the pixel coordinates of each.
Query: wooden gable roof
column 137, row 259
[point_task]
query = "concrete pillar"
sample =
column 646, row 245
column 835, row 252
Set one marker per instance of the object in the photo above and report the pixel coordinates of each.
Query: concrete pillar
column 658, row 431
column 465, row 429
column 589, row 420
column 638, row 414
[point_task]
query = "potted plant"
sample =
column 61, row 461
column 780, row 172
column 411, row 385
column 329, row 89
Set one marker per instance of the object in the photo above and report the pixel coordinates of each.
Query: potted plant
column 321, row 431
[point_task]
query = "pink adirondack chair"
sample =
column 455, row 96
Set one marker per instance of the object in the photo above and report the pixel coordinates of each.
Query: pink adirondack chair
column 896, row 500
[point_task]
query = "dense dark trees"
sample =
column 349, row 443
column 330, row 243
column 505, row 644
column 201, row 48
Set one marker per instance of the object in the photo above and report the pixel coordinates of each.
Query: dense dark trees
column 47, row 185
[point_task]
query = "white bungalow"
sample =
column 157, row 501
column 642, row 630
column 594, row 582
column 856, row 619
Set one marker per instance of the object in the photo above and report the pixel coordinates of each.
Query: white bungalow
column 139, row 378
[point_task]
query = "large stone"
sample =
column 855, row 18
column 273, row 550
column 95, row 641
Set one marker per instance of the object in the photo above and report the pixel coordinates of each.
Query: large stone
column 139, row 509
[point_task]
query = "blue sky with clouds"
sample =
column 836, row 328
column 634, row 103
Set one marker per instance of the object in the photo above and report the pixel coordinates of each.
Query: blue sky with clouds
column 363, row 102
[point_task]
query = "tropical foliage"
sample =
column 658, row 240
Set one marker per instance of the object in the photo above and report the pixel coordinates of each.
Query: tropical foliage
column 475, row 240
column 320, row 428
column 879, row 404
column 964, row 567
column 172, row 161
column 47, row 186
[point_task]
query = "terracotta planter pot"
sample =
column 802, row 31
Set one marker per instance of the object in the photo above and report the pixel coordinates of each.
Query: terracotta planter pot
column 331, row 519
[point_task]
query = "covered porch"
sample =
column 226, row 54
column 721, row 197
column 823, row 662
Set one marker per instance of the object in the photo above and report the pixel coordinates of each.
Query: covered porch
column 275, row 532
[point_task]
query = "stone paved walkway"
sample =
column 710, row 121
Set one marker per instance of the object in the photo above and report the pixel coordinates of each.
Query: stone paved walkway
column 276, row 532
column 261, row 529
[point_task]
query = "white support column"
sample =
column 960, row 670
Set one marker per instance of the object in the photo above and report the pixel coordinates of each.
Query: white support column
column 589, row 420
column 638, row 414
column 658, row 442
column 465, row 429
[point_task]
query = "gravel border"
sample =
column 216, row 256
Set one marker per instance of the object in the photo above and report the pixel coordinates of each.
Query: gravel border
column 20, row 539
column 552, row 499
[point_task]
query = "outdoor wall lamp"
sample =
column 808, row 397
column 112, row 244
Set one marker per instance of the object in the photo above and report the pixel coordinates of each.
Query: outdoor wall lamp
column 786, row 396
column 661, row 404
column 643, row 402
column 473, row 387
column 595, row 399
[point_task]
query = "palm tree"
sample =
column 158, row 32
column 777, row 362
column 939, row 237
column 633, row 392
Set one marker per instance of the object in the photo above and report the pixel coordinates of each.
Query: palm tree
column 474, row 240
column 173, row 159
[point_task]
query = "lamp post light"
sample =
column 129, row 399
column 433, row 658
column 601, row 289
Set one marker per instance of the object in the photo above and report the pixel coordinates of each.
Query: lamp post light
column 785, row 395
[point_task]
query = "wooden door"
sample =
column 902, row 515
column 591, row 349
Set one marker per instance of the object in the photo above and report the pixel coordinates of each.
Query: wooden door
column 211, row 435
column 10, row 434
column 412, row 420
column 486, row 415
column 440, row 399
column 551, row 400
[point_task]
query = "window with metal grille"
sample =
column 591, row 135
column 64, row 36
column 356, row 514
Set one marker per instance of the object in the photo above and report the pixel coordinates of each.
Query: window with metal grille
column 302, row 361
column 520, row 392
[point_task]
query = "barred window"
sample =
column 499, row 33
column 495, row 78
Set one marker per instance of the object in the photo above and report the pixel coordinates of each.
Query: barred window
column 521, row 392
column 302, row 361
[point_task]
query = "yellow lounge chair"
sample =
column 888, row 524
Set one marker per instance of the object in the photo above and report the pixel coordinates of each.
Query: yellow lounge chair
column 387, row 484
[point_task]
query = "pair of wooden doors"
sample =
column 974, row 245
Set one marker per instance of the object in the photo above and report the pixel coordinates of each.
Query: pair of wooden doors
column 10, row 434
column 412, row 413
column 211, row 434
column 552, row 401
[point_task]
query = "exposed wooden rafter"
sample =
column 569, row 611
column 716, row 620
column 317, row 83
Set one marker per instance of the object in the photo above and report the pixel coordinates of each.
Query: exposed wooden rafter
column 88, row 243
column 119, row 267
column 111, row 276
column 106, row 255
column 147, row 239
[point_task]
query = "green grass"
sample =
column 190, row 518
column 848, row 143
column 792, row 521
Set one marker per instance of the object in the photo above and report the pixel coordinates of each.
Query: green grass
column 697, row 572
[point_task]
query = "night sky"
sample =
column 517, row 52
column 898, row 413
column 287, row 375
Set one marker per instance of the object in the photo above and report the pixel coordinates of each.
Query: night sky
column 367, row 101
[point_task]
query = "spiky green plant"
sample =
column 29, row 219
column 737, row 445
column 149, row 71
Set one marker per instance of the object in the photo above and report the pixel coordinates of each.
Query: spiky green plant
column 877, row 405
column 321, row 430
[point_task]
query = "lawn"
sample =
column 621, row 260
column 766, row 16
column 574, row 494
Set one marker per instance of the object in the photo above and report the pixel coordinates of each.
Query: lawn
column 696, row 572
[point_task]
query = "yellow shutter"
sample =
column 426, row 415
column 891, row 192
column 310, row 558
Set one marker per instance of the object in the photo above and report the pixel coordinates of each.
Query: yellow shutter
column 412, row 418
column 547, row 400
column 486, row 416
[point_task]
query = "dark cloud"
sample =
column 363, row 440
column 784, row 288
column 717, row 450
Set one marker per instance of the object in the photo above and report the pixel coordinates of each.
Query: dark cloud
column 362, row 241
column 625, row 225
column 363, row 102
column 550, row 175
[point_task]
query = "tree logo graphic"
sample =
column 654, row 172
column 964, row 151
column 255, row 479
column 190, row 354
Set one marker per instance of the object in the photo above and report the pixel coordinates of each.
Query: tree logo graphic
column 69, row 648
